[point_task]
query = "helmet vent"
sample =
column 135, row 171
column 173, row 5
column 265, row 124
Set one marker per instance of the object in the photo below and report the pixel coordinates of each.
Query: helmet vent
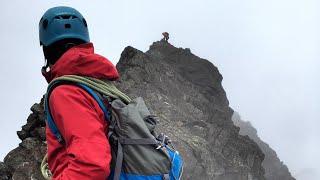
column 67, row 26
column 65, row 17
column 60, row 23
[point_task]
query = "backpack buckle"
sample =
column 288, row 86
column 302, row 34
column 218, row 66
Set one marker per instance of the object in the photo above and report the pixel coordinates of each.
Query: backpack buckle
column 163, row 140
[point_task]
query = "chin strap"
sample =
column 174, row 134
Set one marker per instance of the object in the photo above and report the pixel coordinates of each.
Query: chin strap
column 67, row 46
column 45, row 71
column 45, row 66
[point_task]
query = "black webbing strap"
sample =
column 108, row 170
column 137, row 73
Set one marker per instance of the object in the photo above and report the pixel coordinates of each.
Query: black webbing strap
column 142, row 141
column 117, row 170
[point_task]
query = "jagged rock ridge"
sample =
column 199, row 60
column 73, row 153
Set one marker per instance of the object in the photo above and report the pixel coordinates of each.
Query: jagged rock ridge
column 185, row 91
column 274, row 168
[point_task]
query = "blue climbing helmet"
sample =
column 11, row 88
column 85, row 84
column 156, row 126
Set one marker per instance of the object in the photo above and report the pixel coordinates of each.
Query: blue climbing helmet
column 62, row 22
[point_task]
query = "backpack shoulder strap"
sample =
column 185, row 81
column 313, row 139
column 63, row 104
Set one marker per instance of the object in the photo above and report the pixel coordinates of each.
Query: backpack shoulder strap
column 99, row 100
column 50, row 121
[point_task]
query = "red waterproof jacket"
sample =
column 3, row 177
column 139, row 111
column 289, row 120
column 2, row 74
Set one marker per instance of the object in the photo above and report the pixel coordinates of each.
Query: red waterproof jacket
column 86, row 152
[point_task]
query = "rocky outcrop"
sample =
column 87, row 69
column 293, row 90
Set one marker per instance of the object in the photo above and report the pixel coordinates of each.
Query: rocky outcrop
column 24, row 161
column 185, row 91
column 274, row 168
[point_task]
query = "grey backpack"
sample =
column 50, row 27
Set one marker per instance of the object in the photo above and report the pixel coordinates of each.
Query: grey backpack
column 137, row 152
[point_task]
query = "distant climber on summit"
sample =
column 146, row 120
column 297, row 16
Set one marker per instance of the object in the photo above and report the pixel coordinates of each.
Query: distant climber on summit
column 81, row 150
column 165, row 36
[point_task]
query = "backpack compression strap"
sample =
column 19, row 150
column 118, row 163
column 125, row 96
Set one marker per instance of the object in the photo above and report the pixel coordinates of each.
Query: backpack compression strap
column 54, row 129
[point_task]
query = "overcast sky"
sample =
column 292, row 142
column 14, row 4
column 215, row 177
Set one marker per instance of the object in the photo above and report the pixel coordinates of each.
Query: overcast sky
column 266, row 50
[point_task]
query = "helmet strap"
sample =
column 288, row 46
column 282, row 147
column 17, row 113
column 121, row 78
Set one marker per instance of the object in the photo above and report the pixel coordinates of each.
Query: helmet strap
column 69, row 45
column 45, row 68
column 54, row 51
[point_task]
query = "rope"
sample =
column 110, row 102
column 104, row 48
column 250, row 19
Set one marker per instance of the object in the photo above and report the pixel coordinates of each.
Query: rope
column 44, row 167
column 104, row 87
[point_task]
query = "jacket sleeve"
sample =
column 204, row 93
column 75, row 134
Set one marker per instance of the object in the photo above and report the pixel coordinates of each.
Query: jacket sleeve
column 81, row 123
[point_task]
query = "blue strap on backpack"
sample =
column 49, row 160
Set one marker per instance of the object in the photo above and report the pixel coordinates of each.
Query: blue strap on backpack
column 54, row 129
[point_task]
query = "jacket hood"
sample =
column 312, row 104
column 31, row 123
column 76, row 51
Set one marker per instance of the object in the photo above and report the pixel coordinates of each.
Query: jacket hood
column 81, row 60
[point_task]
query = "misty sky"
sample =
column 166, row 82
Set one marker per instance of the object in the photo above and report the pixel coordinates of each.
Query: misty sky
column 266, row 50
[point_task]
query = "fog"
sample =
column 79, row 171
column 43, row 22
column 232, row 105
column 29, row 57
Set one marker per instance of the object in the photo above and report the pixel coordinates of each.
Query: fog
column 267, row 52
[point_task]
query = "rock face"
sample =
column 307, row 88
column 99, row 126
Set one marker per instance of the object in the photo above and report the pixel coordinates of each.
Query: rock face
column 274, row 168
column 185, row 91
column 24, row 161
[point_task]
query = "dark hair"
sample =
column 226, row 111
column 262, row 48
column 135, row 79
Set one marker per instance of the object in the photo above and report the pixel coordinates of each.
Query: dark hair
column 53, row 52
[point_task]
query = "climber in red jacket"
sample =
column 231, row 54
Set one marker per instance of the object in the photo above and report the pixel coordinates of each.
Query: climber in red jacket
column 85, row 152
